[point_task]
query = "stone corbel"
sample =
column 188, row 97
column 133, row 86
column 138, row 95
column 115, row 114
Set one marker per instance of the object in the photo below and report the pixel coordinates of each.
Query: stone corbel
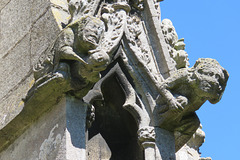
column 146, row 136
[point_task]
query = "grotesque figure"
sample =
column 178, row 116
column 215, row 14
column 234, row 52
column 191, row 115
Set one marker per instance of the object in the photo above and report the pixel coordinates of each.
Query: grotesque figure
column 169, row 32
column 184, row 93
column 74, row 53
column 138, row 4
column 175, row 47
column 191, row 149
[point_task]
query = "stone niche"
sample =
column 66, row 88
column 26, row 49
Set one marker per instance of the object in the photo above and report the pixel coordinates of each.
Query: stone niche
column 99, row 80
column 116, row 125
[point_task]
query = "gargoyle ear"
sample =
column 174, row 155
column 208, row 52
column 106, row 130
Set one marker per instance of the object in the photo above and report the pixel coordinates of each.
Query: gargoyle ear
column 223, row 81
column 226, row 75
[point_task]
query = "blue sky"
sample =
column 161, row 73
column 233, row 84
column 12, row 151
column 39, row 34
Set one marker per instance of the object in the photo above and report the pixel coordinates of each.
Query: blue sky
column 211, row 29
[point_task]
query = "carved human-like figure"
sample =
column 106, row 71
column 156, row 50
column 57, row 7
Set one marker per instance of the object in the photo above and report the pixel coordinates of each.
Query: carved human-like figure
column 176, row 47
column 75, row 55
column 184, row 93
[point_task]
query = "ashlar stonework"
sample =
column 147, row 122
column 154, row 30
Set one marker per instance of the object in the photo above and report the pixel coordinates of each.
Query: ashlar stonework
column 120, row 80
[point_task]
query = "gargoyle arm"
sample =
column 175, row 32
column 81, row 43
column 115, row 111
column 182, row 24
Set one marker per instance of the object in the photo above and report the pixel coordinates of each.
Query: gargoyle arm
column 67, row 53
column 165, row 87
column 170, row 99
column 66, row 46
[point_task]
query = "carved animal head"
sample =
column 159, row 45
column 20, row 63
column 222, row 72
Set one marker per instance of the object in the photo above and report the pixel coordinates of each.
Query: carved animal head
column 89, row 31
column 211, row 79
column 169, row 32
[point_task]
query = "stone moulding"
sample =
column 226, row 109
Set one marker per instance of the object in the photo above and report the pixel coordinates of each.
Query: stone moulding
column 123, row 42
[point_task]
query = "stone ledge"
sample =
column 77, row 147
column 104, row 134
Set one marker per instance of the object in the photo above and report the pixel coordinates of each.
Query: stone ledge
column 39, row 101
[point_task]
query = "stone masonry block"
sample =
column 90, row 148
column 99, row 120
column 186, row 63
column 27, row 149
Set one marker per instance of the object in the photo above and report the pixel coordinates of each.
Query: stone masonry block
column 43, row 33
column 15, row 66
column 3, row 3
column 38, row 8
column 12, row 104
column 15, row 23
column 42, row 140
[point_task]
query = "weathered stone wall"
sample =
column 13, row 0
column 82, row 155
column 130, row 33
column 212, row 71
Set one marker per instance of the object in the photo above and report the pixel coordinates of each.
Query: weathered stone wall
column 43, row 140
column 27, row 27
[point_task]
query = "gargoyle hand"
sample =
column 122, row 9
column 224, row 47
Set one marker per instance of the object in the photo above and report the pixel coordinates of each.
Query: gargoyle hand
column 98, row 60
column 175, row 106
column 67, row 53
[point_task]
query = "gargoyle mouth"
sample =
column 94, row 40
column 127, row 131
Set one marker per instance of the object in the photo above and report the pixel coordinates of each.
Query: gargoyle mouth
column 215, row 99
column 93, row 39
column 99, row 68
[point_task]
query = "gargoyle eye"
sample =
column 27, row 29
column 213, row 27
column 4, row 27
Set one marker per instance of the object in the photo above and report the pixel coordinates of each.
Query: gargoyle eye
column 211, row 74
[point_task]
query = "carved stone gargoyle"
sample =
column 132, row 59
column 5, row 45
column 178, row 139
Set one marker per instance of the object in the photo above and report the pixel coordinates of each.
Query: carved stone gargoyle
column 184, row 93
column 121, row 46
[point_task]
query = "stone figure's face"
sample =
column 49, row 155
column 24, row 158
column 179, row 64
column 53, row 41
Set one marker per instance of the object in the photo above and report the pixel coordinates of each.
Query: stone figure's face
column 169, row 32
column 212, row 81
column 92, row 32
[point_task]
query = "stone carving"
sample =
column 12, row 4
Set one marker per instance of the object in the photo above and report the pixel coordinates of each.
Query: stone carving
column 175, row 46
column 138, row 4
column 208, row 158
column 184, row 93
column 80, row 8
column 180, row 95
column 146, row 134
column 115, row 40
column 114, row 15
column 139, row 46
column 197, row 139
column 74, row 54
column 190, row 150
column 84, row 47
column 90, row 115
